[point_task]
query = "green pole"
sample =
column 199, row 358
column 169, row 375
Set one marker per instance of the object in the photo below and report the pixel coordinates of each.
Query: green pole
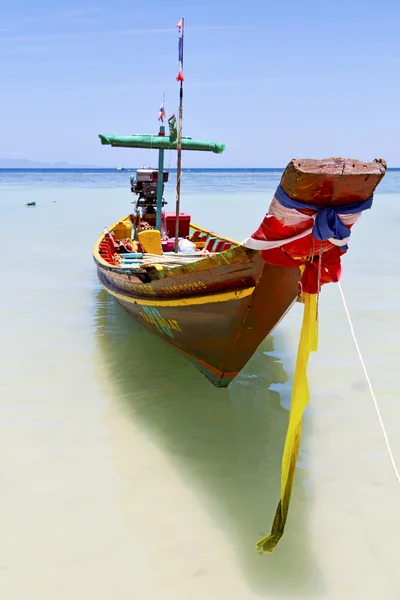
column 160, row 182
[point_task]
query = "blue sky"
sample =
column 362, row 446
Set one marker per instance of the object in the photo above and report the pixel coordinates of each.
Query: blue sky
column 271, row 80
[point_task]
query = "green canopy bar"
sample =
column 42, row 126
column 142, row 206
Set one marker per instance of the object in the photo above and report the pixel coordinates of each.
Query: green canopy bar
column 159, row 143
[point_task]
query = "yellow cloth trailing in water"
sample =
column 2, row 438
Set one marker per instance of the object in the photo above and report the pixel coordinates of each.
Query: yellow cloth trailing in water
column 300, row 397
column 150, row 240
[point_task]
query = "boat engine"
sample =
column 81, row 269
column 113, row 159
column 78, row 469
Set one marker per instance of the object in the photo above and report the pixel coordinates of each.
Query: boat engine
column 145, row 186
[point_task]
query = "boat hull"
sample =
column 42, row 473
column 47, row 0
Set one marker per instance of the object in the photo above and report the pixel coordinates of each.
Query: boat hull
column 216, row 312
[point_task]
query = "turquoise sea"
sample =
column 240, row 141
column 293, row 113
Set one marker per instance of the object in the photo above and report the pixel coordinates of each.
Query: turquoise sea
column 124, row 474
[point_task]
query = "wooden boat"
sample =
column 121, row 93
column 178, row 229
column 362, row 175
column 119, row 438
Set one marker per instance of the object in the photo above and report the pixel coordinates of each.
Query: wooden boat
column 218, row 303
column 219, row 307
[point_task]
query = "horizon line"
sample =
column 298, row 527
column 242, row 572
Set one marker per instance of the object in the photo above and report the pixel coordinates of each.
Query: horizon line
column 113, row 168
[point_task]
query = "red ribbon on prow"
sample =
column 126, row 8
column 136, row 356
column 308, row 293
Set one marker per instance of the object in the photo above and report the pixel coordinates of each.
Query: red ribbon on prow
column 304, row 251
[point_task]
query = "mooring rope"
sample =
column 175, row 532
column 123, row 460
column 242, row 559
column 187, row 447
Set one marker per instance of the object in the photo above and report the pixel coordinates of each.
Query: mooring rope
column 378, row 412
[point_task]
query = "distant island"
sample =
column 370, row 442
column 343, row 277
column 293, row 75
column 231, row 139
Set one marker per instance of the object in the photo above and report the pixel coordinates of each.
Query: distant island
column 24, row 163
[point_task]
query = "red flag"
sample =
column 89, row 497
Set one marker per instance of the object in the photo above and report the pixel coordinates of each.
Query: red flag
column 180, row 24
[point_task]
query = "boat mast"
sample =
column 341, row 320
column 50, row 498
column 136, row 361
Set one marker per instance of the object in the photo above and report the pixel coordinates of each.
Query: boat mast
column 160, row 175
column 179, row 78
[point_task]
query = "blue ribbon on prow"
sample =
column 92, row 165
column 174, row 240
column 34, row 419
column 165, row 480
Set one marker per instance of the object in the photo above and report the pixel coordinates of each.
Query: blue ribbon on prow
column 327, row 223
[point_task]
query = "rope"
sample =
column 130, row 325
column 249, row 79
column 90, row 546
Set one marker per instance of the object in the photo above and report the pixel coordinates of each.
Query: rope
column 172, row 260
column 378, row 412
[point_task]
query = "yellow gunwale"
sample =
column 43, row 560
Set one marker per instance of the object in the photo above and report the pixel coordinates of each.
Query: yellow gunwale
column 212, row 234
column 189, row 301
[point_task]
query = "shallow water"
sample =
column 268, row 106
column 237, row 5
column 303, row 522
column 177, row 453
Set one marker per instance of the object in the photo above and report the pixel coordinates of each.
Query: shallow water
column 125, row 474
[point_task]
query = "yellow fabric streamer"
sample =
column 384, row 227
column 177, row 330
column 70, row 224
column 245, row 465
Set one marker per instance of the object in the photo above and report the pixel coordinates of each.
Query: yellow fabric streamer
column 300, row 397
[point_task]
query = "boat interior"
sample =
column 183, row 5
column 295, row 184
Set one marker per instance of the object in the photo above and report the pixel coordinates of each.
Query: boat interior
column 119, row 248
column 135, row 241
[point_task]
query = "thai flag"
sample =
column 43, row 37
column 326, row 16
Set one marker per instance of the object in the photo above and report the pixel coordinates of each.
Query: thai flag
column 161, row 113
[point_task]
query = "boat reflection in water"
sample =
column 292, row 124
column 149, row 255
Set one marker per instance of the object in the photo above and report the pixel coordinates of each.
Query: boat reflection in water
column 225, row 444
